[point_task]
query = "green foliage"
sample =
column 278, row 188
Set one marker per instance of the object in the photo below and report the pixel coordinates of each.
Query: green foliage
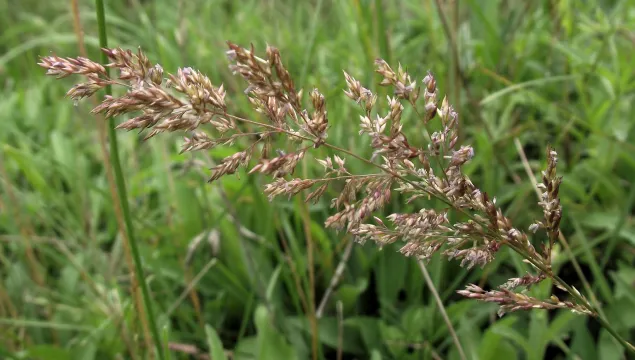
column 537, row 72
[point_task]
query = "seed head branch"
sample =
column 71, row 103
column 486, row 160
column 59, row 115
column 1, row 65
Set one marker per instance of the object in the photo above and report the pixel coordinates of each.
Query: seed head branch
column 188, row 101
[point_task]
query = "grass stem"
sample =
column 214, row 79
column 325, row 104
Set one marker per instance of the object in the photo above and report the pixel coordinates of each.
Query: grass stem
column 121, row 191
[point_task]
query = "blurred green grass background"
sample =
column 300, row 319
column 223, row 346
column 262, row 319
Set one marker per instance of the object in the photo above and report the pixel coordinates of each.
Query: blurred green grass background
column 522, row 74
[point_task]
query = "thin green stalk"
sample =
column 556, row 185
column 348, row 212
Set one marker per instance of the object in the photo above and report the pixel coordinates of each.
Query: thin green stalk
column 579, row 300
column 444, row 313
column 628, row 346
column 121, row 191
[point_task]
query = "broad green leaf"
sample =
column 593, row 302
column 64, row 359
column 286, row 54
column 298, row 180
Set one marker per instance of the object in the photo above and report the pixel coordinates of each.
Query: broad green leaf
column 214, row 344
column 560, row 325
column 272, row 282
column 492, row 344
column 609, row 349
column 86, row 350
column 393, row 338
column 391, row 275
column 513, row 335
column 414, row 320
column 165, row 340
column 537, row 329
column 349, row 294
column 271, row 343
column 247, row 349
column 27, row 164
column 624, row 278
column 368, row 328
column 48, row 352
column 329, row 333
column 69, row 279
column 375, row 355
column 583, row 343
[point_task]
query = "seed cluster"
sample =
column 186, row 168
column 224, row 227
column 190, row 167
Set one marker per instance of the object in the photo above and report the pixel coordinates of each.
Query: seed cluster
column 189, row 101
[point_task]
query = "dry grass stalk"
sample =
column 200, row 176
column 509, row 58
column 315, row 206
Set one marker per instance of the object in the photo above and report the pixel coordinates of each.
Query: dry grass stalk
column 188, row 101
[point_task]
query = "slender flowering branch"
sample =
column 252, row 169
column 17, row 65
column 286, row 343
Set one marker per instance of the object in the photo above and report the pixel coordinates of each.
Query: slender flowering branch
column 188, row 101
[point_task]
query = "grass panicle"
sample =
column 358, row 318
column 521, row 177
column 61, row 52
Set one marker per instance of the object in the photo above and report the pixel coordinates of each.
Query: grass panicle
column 416, row 169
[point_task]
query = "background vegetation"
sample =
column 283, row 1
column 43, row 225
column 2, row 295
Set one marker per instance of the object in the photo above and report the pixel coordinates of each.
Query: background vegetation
column 224, row 264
